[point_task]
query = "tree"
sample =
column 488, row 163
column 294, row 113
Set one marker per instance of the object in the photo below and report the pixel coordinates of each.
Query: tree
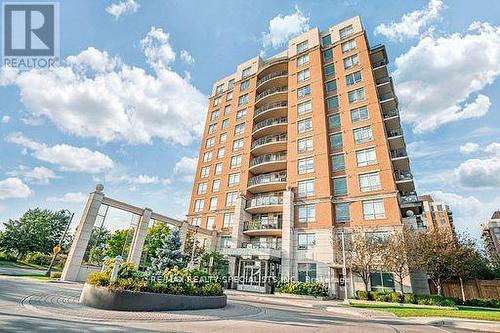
column 38, row 230
column 96, row 248
column 218, row 263
column 118, row 244
column 494, row 265
column 168, row 255
column 154, row 238
column 188, row 248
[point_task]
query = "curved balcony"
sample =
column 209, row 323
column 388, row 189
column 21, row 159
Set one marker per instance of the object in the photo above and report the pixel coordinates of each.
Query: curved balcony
column 271, row 227
column 276, row 109
column 279, row 78
column 269, row 144
column 270, row 126
column 274, row 181
column 268, row 163
column 396, row 140
column 271, row 95
column 400, row 159
column 266, row 203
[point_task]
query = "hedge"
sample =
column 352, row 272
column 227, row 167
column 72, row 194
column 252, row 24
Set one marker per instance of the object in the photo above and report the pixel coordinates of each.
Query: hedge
column 408, row 298
column 303, row 288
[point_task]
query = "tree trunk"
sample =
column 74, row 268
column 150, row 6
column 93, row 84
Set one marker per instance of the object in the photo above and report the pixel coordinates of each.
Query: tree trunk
column 438, row 285
column 462, row 289
column 401, row 287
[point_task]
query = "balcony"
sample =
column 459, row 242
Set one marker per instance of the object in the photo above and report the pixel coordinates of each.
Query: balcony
column 269, row 144
column 376, row 65
column 400, row 159
column 396, row 140
column 277, row 109
column 399, row 153
column 267, row 182
column 387, row 97
column 280, row 78
column 265, row 254
column 270, row 227
column 270, row 126
column 266, row 203
column 271, row 95
column 408, row 201
column 408, row 197
column 268, row 163
column 383, row 80
column 262, row 245
column 404, row 181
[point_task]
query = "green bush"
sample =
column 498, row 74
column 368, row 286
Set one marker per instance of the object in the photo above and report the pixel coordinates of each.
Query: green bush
column 303, row 288
column 4, row 256
column 394, row 297
column 363, row 295
column 483, row 302
column 434, row 300
column 98, row 279
column 379, row 297
column 409, row 298
column 55, row 275
column 38, row 258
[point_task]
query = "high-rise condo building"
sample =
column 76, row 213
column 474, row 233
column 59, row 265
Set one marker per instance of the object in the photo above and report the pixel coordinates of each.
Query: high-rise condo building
column 437, row 215
column 490, row 234
column 297, row 147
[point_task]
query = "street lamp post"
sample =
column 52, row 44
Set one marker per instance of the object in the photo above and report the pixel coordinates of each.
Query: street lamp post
column 60, row 243
column 344, row 269
column 191, row 262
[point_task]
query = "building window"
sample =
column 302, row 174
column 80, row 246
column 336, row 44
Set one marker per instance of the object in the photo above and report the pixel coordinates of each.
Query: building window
column 304, row 125
column 363, row 134
column 351, row 61
column 338, row 162
column 302, row 60
column 202, row 188
column 334, row 121
column 196, row 221
column 369, row 182
column 205, row 171
column 239, row 129
column 326, row 40
column 230, row 84
column 235, row 161
column 307, row 213
column 219, row 89
column 348, row 46
column 237, row 144
column 307, row 241
column 220, row 153
column 207, row 157
column 216, row 185
column 198, row 205
column 225, row 123
column 340, row 186
column 366, row 157
column 214, row 115
column 244, row 85
column 243, row 100
column 345, row 32
column 246, row 72
column 331, row 86
column 373, row 209
column 303, row 75
column 304, row 108
column 336, row 141
column 234, row 179
column 228, row 220
column 307, row 272
column 240, row 114
column 213, row 203
column 229, row 96
column 211, row 222
column 332, row 102
column 210, row 142
column 218, row 168
column 329, row 70
column 356, row 95
column 212, row 128
column 303, row 91
column 223, row 138
column 306, row 188
column 382, row 282
column 342, row 214
column 216, row 101
column 227, row 110
column 225, row 242
column 231, row 198
column 305, row 144
column 353, row 78
column 359, row 114
column 301, row 47
column 328, row 55
column 305, row 165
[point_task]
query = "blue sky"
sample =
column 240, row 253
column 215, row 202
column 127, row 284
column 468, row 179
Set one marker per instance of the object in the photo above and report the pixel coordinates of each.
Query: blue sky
column 127, row 106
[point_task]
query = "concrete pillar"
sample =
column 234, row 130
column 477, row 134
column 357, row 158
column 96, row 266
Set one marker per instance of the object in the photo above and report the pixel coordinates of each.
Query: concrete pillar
column 211, row 244
column 141, row 230
column 82, row 235
column 240, row 217
column 287, row 261
column 183, row 231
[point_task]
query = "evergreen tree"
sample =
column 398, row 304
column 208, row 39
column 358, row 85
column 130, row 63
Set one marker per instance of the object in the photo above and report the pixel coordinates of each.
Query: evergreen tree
column 168, row 255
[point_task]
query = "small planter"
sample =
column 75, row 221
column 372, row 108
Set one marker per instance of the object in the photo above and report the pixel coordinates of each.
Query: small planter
column 106, row 299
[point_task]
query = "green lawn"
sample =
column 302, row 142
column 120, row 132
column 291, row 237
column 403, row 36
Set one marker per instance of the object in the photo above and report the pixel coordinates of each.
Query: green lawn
column 18, row 264
column 480, row 314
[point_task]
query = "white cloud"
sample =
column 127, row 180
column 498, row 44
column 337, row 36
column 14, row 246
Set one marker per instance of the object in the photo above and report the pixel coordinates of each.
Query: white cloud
column 37, row 175
column 186, row 168
column 122, row 7
column 5, row 119
column 479, row 172
column 67, row 157
column 96, row 95
column 411, row 24
column 469, row 148
column 119, row 176
column 282, row 28
column 187, row 57
column 70, row 197
column 493, row 148
column 440, row 79
column 14, row 187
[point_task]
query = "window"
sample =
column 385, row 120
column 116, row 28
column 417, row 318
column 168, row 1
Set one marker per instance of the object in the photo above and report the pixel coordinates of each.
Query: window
column 306, row 188
column 305, row 144
column 225, row 122
column 220, row 153
column 302, row 60
column 240, row 114
column 225, row 242
column 353, row 78
column 234, row 179
column 205, row 171
column 307, row 272
column 216, row 185
column 340, row 186
column 207, row 157
column 237, row 144
column 218, row 168
column 214, row 115
column 305, row 165
column 227, row 109
column 328, row 55
column 198, row 205
column 359, row 114
column 229, row 96
column 219, row 89
column 228, row 220
column 373, row 209
column 303, row 75
column 338, row 162
column 239, row 129
column 303, row 91
column 307, row 241
column 212, row 128
column 230, row 84
column 210, row 142
column 246, row 72
column 216, row 101
column 351, row 61
column 348, row 46
column 363, row 134
column 332, row 102
column 326, row 40
column 336, row 141
column 304, row 108
column 334, row 121
column 235, row 161
column 202, row 188
column 304, row 125
column 342, row 212
column 223, row 138
column 369, row 182
column 329, row 70
column 243, row 100
column 196, row 221
column 344, row 32
column 307, row 213
column 302, row 46
column 356, row 95
column 244, row 85
column 231, row 198
column 366, row 157
column 211, row 222
column 213, row 203
column 331, row 86
column 382, row 282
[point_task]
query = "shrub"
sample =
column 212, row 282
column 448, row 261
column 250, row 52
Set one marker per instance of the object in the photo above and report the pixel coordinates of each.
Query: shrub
column 363, row 295
column 434, row 300
column 394, row 297
column 212, row 289
column 483, row 302
column 38, row 258
column 55, row 275
column 303, row 288
column 4, row 256
column 409, row 298
column 379, row 297
column 98, row 279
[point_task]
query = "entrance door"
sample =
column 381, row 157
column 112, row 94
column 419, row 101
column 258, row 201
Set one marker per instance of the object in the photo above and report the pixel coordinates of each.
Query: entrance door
column 252, row 276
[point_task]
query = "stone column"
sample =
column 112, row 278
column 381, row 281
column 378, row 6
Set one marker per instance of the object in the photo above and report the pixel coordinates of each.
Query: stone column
column 287, row 245
column 183, row 230
column 82, row 235
column 240, row 217
column 141, row 230
column 211, row 245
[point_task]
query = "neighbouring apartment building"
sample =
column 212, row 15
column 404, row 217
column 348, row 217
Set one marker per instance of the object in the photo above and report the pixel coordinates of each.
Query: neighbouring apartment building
column 491, row 234
column 437, row 215
column 296, row 148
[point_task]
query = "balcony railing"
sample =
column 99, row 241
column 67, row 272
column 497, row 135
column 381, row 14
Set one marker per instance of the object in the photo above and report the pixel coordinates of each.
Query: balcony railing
column 386, row 97
column 265, row 178
column 394, row 133
column 379, row 63
column 269, row 122
column 391, row 113
column 398, row 153
column 383, row 80
column 268, row 139
column 266, row 200
column 408, row 197
column 272, row 224
column 271, row 157
column 403, row 175
column 270, row 91
column 271, row 76
column 262, row 245
column 282, row 104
